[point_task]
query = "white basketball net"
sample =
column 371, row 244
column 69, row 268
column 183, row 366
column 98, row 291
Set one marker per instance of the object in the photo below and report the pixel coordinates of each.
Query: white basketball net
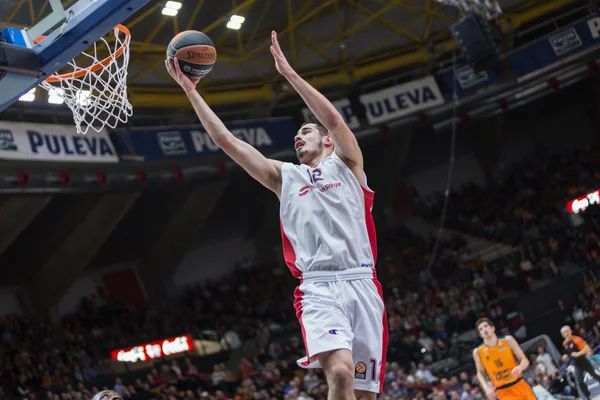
column 94, row 86
column 488, row 8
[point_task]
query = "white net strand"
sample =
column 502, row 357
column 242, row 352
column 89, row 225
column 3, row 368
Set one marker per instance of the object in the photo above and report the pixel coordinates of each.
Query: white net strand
column 97, row 92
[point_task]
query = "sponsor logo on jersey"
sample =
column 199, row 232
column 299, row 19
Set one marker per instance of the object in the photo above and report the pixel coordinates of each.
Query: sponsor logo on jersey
column 333, row 331
column 304, row 190
column 360, row 370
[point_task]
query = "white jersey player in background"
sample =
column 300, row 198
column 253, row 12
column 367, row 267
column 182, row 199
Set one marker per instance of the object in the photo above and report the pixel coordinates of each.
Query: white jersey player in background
column 328, row 236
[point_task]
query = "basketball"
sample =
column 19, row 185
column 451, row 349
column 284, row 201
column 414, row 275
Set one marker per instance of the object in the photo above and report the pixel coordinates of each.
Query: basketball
column 195, row 53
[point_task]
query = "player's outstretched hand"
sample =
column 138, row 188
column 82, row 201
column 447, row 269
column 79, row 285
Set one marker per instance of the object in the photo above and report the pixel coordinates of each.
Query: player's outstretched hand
column 281, row 63
column 188, row 84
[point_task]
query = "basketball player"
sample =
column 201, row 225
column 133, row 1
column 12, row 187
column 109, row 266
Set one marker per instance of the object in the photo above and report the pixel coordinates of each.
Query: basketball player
column 328, row 236
column 107, row 395
column 496, row 359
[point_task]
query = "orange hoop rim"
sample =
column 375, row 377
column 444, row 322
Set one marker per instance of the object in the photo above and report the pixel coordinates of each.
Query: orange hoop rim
column 96, row 66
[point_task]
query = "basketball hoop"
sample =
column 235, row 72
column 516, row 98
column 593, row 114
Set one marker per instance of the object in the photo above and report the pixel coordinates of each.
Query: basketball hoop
column 490, row 9
column 96, row 92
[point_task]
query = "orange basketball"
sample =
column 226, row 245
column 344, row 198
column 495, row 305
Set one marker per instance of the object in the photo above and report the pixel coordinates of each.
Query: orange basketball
column 195, row 53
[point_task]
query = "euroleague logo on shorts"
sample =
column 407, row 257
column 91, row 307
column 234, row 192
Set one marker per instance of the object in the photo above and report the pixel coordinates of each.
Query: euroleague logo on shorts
column 360, row 370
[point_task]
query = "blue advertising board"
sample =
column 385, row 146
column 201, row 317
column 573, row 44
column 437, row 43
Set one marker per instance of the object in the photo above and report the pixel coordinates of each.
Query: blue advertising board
column 565, row 43
column 179, row 142
column 468, row 80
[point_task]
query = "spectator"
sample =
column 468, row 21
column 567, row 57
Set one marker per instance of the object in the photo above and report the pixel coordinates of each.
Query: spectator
column 423, row 374
column 546, row 360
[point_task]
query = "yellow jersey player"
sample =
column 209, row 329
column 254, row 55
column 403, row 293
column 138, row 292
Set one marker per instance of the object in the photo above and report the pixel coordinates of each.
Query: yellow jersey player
column 500, row 363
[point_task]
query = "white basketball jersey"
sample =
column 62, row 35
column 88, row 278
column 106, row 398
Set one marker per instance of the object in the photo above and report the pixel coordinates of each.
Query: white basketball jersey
column 326, row 220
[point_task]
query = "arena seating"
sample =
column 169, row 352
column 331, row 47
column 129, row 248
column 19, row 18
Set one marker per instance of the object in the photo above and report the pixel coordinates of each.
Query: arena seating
column 428, row 309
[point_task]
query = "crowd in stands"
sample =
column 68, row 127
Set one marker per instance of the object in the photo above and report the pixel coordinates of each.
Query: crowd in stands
column 429, row 305
column 526, row 209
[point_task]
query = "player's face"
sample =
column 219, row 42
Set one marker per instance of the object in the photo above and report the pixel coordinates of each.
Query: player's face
column 486, row 330
column 308, row 143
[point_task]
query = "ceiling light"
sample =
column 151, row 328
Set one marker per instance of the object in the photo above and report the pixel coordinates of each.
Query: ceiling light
column 55, row 96
column 171, row 12
column 234, row 25
column 29, row 96
column 237, row 18
column 175, row 5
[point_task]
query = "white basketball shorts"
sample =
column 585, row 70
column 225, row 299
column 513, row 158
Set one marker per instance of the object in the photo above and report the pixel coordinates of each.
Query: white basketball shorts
column 344, row 310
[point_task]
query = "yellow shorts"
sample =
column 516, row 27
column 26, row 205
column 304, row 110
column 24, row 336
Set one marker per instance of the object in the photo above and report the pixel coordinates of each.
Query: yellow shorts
column 519, row 391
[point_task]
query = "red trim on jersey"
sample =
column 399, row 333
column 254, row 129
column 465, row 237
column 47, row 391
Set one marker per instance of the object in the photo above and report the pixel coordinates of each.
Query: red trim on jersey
column 369, row 196
column 385, row 333
column 298, row 295
column 289, row 254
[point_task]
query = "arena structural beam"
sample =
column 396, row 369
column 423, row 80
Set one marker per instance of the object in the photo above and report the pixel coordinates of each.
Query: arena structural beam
column 16, row 213
column 70, row 259
column 160, row 263
column 217, row 92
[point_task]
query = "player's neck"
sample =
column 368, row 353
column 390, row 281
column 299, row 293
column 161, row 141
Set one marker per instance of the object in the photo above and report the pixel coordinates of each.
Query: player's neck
column 316, row 160
column 491, row 342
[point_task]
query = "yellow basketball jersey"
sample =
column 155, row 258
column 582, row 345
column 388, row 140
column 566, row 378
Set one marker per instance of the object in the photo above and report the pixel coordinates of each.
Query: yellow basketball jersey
column 498, row 361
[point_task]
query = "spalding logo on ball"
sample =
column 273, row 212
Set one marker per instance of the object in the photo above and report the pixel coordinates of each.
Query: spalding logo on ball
column 195, row 53
column 107, row 395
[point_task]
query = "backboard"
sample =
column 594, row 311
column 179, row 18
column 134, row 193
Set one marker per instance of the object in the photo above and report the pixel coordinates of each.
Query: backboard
column 69, row 31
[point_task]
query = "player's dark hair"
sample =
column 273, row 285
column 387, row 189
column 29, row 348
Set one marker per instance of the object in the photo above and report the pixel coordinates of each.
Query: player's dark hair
column 320, row 127
column 483, row 321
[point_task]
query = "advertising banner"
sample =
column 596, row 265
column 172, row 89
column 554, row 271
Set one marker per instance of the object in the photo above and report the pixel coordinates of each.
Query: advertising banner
column 59, row 143
column 178, row 142
column 581, row 203
column 467, row 79
column 592, row 384
column 544, row 52
column 402, row 100
column 154, row 350
column 392, row 103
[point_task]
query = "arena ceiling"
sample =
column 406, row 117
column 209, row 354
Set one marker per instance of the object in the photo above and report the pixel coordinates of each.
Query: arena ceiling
column 332, row 42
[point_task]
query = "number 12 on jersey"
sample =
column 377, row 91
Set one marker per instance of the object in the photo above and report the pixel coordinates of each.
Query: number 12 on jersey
column 314, row 175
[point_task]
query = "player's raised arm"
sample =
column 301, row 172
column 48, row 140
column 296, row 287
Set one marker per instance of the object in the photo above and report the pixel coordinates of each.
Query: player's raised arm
column 346, row 146
column 521, row 357
column 482, row 377
column 264, row 170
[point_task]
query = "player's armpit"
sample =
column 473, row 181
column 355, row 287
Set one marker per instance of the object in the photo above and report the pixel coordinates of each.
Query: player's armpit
column 264, row 170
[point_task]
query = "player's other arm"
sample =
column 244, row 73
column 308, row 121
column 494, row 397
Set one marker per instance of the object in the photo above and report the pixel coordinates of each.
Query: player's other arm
column 346, row 145
column 264, row 170
column 482, row 377
column 520, row 356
